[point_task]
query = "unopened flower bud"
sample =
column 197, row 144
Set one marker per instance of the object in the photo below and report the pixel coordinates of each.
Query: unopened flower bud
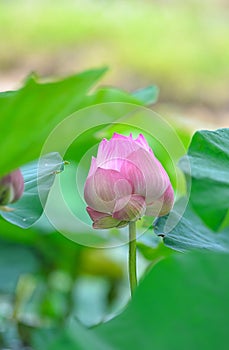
column 125, row 182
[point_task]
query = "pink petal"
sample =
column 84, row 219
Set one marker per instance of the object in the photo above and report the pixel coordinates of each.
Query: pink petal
column 143, row 143
column 122, row 137
column 118, row 147
column 102, row 189
column 122, row 188
column 96, row 215
column 105, row 182
column 131, row 172
column 102, row 151
column 168, row 201
column 162, row 205
column 114, row 163
column 93, row 200
column 102, row 220
column 93, row 166
column 156, row 178
column 131, row 209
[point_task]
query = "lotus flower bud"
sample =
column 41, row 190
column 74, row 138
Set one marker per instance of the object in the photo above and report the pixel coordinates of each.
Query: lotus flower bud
column 125, row 182
column 11, row 187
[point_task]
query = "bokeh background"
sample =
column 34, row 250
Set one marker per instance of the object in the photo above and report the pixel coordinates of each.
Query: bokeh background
column 182, row 47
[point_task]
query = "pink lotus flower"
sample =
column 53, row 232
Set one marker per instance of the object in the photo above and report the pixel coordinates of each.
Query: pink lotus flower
column 11, row 187
column 125, row 182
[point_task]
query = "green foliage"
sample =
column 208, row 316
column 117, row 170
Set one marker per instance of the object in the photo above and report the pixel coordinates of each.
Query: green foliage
column 206, row 169
column 34, row 110
column 181, row 303
column 191, row 233
column 208, row 157
column 34, row 262
column 37, row 108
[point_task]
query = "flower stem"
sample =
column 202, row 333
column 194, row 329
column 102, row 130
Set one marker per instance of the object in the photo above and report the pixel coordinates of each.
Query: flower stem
column 132, row 257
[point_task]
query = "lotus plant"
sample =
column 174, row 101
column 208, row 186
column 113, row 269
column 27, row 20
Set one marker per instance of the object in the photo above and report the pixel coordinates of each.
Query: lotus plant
column 125, row 182
column 11, row 189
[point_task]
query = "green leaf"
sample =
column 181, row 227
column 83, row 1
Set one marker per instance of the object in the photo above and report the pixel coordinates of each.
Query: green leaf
column 208, row 156
column 105, row 95
column 148, row 95
column 29, row 115
column 191, row 233
column 150, row 245
column 38, row 177
column 154, row 253
column 181, row 304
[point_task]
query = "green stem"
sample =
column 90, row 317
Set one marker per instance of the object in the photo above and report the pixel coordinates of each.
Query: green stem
column 132, row 257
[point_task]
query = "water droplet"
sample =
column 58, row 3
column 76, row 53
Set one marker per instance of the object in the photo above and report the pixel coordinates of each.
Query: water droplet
column 23, row 219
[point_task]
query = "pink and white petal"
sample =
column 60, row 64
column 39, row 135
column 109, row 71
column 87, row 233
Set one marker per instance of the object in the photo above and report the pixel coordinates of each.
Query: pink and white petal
column 93, row 200
column 130, row 210
column 102, row 151
column 105, row 180
column 143, row 143
column 154, row 208
column 118, row 147
column 121, row 137
column 106, row 223
column 93, row 166
column 134, row 174
column 114, row 163
column 95, row 215
column 123, row 188
column 102, row 220
column 156, row 178
column 163, row 205
column 168, row 201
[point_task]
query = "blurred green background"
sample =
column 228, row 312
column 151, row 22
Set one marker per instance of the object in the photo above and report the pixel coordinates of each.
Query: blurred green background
column 182, row 47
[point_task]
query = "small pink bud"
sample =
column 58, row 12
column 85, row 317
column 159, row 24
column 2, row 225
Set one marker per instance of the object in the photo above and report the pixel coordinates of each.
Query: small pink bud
column 125, row 182
column 11, row 187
